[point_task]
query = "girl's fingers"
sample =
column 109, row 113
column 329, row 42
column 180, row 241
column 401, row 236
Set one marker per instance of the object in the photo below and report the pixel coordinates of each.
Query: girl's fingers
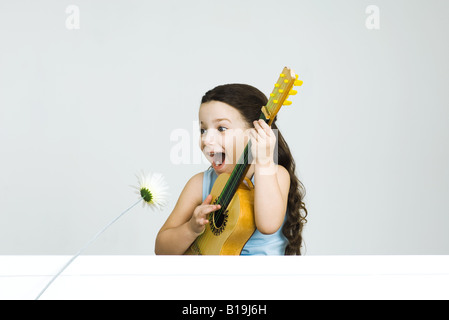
column 262, row 128
column 260, row 131
column 206, row 210
column 253, row 134
column 208, row 199
column 210, row 208
column 265, row 126
column 207, row 202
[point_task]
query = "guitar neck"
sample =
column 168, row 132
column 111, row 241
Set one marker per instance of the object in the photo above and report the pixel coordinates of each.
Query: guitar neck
column 238, row 174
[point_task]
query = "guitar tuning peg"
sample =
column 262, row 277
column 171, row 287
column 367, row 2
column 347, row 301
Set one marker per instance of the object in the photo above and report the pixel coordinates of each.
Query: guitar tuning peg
column 298, row 83
column 271, row 94
column 296, row 76
column 282, row 75
column 287, row 103
column 292, row 92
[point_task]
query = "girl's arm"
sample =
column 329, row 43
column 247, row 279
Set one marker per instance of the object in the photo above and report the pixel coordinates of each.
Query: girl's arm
column 272, row 182
column 187, row 220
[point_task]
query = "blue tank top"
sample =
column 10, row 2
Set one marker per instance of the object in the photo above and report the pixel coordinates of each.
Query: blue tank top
column 259, row 243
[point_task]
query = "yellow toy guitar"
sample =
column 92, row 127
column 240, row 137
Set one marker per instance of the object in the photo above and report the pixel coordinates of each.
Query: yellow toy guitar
column 233, row 224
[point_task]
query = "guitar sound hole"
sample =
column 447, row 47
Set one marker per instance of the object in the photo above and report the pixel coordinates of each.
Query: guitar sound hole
column 219, row 218
column 218, row 221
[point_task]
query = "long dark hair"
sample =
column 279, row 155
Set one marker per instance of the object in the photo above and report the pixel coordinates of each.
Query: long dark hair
column 249, row 100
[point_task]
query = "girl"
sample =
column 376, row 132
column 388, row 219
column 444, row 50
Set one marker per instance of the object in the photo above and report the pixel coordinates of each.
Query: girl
column 228, row 117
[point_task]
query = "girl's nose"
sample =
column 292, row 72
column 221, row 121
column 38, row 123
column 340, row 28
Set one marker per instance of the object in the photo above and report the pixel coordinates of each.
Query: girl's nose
column 208, row 137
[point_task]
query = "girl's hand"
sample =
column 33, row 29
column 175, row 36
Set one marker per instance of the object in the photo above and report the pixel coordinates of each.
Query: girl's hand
column 263, row 141
column 199, row 218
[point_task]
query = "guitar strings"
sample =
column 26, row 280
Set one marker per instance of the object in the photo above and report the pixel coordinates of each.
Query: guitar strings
column 233, row 182
column 227, row 194
column 222, row 199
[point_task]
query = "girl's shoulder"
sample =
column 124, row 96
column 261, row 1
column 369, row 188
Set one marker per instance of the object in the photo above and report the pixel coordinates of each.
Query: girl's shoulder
column 194, row 187
column 191, row 195
column 282, row 170
column 196, row 180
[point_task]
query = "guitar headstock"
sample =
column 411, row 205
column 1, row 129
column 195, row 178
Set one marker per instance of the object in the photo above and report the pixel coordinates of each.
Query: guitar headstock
column 283, row 88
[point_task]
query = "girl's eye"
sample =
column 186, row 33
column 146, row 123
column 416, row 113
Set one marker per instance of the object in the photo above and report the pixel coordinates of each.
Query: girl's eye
column 220, row 129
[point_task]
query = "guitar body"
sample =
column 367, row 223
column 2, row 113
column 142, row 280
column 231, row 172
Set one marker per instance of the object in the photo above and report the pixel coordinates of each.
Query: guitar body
column 228, row 232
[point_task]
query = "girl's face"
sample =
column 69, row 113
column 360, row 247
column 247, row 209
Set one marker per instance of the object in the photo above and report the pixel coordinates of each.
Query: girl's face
column 223, row 135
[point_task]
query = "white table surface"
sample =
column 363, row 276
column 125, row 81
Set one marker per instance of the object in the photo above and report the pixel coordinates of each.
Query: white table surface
column 239, row 278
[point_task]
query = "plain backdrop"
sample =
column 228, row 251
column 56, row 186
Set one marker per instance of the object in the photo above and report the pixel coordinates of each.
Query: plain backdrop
column 83, row 110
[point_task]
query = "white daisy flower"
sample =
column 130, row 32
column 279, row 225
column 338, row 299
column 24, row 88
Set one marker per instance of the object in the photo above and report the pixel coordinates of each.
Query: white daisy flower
column 153, row 190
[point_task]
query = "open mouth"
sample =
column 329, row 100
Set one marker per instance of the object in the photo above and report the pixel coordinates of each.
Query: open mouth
column 218, row 159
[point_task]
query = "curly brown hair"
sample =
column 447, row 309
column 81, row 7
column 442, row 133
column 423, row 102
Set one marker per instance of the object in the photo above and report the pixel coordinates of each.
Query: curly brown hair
column 249, row 100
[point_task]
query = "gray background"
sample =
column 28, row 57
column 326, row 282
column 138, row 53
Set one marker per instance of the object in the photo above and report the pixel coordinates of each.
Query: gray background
column 82, row 111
